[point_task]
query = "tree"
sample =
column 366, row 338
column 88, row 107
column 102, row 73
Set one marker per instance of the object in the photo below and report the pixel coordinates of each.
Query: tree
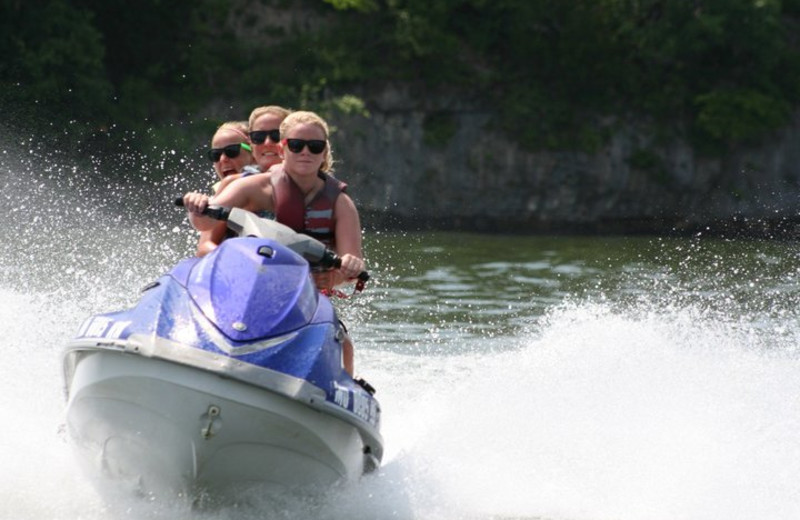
column 53, row 61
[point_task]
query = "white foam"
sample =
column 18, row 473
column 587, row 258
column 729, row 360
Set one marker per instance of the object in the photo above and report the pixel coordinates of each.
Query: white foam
column 613, row 416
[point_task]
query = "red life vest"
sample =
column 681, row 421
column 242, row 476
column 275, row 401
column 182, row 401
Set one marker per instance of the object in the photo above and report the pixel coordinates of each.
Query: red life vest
column 316, row 219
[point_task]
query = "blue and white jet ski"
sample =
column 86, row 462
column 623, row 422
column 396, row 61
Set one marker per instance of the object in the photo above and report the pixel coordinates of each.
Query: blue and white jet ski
column 227, row 373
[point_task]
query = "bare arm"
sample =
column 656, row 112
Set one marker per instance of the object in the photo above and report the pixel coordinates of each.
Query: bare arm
column 348, row 240
column 221, row 185
column 348, row 228
column 252, row 193
column 209, row 240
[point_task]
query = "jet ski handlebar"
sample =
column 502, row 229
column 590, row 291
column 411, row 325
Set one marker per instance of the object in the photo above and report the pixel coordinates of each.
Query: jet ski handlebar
column 215, row 212
column 328, row 258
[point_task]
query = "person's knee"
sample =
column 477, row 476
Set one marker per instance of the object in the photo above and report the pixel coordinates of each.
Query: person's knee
column 348, row 354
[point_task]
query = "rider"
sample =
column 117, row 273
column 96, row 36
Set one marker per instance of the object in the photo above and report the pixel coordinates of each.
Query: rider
column 231, row 154
column 303, row 195
column 263, row 130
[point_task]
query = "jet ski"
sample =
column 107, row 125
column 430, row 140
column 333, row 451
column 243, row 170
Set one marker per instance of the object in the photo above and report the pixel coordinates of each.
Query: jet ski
column 227, row 373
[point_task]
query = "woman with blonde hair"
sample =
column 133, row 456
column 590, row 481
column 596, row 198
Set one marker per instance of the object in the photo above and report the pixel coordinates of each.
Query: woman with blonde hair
column 303, row 195
column 231, row 152
column 262, row 136
column 264, row 132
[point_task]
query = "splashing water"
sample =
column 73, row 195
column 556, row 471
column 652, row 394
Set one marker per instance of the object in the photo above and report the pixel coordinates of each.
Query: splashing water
column 560, row 379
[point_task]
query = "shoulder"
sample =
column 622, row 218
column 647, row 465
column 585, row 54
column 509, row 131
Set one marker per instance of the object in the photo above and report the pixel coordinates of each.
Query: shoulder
column 224, row 183
column 345, row 205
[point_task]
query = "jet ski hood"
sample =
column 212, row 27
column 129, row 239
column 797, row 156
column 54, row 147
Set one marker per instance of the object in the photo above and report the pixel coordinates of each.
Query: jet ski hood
column 251, row 289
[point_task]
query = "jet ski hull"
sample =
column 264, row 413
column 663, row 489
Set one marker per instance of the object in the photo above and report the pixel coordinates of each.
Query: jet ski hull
column 161, row 427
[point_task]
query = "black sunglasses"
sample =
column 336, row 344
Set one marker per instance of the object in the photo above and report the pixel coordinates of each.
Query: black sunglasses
column 315, row 146
column 232, row 151
column 260, row 136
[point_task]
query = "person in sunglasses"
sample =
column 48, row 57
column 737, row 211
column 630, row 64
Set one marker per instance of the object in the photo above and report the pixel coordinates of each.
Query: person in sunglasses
column 263, row 130
column 304, row 196
column 231, row 152
column 265, row 135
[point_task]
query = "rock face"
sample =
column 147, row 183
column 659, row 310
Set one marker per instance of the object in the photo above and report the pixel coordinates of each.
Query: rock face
column 405, row 168
column 421, row 160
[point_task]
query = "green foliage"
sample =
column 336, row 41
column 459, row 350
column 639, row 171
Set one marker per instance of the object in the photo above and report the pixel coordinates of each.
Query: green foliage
column 740, row 114
column 648, row 161
column 349, row 104
column 644, row 159
column 727, row 70
column 52, row 60
column 360, row 5
column 438, row 129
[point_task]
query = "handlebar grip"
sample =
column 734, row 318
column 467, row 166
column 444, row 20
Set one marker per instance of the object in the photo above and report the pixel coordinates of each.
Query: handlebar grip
column 331, row 259
column 215, row 212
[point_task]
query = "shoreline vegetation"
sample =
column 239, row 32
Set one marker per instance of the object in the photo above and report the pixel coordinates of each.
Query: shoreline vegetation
column 720, row 75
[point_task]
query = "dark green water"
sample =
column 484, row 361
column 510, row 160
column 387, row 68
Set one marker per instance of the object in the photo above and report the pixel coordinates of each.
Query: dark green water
column 488, row 285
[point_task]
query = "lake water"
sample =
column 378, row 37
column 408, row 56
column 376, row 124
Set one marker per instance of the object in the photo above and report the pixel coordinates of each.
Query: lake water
column 520, row 377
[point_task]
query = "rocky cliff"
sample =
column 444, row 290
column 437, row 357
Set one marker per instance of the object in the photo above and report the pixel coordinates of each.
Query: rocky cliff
column 421, row 164
column 424, row 160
